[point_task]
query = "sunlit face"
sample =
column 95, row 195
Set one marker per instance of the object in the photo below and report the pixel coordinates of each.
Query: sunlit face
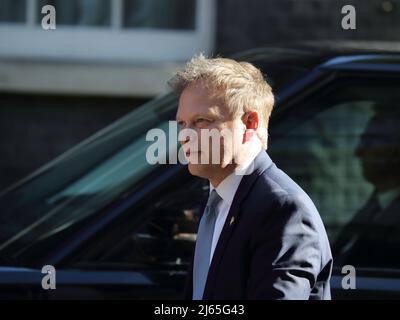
column 200, row 111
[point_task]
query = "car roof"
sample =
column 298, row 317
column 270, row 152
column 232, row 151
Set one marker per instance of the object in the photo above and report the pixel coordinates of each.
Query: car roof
column 331, row 48
column 348, row 47
column 328, row 54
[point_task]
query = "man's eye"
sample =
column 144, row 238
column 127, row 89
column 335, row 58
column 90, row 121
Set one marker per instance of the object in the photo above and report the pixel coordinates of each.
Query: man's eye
column 200, row 120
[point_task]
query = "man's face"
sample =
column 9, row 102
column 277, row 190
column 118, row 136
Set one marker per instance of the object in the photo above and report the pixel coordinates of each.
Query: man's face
column 205, row 113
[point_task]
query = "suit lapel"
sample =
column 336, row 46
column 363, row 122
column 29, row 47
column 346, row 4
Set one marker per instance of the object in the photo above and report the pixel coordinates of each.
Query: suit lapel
column 261, row 163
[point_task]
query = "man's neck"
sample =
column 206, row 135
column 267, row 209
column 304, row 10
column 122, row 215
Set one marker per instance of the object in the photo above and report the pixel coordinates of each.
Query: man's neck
column 238, row 168
column 221, row 176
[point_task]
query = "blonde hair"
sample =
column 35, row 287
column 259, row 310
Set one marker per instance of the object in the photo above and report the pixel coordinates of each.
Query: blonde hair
column 240, row 84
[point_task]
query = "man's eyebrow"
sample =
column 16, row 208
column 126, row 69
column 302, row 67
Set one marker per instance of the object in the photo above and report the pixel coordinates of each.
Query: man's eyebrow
column 213, row 113
column 202, row 115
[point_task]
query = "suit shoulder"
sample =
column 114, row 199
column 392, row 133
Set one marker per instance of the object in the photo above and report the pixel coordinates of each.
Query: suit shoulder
column 283, row 198
column 277, row 185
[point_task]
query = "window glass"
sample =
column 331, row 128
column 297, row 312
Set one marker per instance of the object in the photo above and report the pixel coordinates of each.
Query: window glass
column 160, row 233
column 343, row 148
column 12, row 11
column 79, row 12
column 81, row 182
column 160, row 14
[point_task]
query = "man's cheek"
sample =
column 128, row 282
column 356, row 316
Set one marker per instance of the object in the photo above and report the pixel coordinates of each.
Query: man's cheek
column 227, row 148
column 214, row 151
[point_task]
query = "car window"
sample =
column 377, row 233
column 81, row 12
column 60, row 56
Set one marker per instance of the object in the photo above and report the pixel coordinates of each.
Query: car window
column 159, row 233
column 81, row 182
column 343, row 148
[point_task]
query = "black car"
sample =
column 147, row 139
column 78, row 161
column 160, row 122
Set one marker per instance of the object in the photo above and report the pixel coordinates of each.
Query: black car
column 114, row 226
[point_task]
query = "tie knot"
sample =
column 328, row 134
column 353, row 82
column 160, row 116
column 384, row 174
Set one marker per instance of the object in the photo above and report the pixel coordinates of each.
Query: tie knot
column 213, row 199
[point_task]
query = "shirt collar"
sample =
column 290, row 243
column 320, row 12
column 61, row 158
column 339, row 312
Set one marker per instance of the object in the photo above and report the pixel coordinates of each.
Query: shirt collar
column 228, row 187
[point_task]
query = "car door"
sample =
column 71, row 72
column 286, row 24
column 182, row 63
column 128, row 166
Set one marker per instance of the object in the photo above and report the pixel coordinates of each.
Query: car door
column 144, row 253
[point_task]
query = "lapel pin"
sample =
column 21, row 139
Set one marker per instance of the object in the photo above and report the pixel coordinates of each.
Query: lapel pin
column 232, row 221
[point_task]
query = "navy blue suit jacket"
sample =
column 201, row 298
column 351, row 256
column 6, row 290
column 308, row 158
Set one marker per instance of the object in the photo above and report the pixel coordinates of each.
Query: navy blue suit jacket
column 276, row 247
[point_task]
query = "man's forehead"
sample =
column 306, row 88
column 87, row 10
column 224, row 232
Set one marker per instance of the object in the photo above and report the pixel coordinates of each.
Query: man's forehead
column 197, row 99
column 214, row 111
column 195, row 107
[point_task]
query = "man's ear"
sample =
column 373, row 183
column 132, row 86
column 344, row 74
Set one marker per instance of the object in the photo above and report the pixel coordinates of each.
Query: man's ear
column 251, row 120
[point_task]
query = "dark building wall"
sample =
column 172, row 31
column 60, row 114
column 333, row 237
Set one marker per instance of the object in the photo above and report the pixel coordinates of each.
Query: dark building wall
column 34, row 129
column 252, row 23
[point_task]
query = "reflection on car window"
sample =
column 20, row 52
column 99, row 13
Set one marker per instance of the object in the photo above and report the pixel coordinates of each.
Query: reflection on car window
column 343, row 147
column 81, row 181
column 164, row 236
column 373, row 233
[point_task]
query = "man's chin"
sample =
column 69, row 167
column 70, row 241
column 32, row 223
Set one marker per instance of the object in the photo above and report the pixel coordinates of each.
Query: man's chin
column 195, row 169
column 199, row 170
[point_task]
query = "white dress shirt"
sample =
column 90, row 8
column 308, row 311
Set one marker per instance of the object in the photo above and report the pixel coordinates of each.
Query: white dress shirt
column 227, row 190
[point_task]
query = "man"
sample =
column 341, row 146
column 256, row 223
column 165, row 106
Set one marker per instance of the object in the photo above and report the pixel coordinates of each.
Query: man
column 372, row 237
column 260, row 236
